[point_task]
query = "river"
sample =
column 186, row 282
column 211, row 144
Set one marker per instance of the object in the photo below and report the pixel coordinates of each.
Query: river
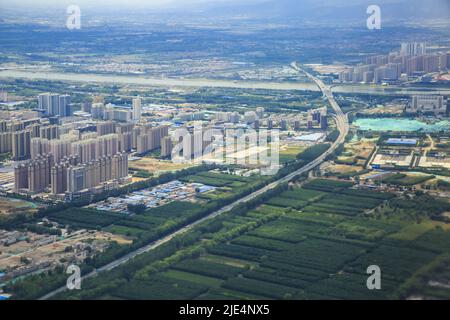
column 241, row 84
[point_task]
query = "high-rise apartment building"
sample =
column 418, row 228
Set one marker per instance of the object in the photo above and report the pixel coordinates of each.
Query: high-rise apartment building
column 260, row 112
column 92, row 174
column 431, row 63
column 21, row 145
column 5, row 142
column 106, row 127
column 34, row 175
column 137, row 110
column 413, row 49
column 427, row 105
column 117, row 114
column 49, row 132
column 250, row 117
column 54, row 104
column 98, row 111
column 166, row 147
column 150, row 138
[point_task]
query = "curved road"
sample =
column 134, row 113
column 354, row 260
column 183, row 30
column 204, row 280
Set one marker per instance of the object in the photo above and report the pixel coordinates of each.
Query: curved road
column 343, row 127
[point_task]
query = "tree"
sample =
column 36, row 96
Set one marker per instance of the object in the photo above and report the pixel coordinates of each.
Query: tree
column 137, row 208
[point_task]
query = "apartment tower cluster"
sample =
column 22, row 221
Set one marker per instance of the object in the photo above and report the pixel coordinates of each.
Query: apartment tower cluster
column 54, row 104
column 411, row 61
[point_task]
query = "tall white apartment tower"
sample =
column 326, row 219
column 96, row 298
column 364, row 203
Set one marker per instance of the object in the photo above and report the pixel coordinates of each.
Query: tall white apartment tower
column 137, row 109
column 413, row 49
column 43, row 101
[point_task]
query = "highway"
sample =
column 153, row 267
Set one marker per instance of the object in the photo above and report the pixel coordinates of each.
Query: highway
column 343, row 127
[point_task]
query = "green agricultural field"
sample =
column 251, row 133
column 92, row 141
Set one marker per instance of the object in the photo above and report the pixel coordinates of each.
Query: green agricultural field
column 328, row 185
column 193, row 277
column 314, row 242
column 407, row 180
column 290, row 153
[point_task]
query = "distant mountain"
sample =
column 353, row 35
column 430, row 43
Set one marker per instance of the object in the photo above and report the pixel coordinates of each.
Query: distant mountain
column 331, row 10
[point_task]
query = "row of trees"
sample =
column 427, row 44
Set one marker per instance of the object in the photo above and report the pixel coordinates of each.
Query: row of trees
column 17, row 220
column 186, row 246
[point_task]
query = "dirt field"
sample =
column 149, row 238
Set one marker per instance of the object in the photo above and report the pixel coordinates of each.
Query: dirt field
column 361, row 148
column 327, row 69
column 386, row 109
column 11, row 206
column 358, row 150
column 10, row 257
column 342, row 168
column 155, row 165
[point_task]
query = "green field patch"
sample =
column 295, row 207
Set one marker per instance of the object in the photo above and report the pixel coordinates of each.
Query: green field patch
column 228, row 294
column 327, row 185
column 204, row 180
column 346, row 200
column 299, row 272
column 262, row 288
column 414, row 230
column 159, row 288
column 348, row 286
column 234, row 262
column 325, row 255
column 354, row 231
column 268, row 209
column 331, row 209
column 303, row 194
column 219, row 179
column 314, row 217
column 173, row 209
column 436, row 240
column 239, row 252
column 397, row 262
column 280, row 230
column 406, row 180
column 262, row 243
column 271, row 276
column 85, row 218
column 225, row 176
column 368, row 194
column 127, row 231
column 192, row 277
column 287, row 202
column 208, row 268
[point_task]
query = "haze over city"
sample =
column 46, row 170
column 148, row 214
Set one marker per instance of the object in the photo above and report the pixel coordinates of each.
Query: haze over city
column 204, row 150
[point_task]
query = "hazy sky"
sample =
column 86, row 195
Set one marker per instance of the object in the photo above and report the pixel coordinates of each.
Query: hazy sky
column 306, row 8
column 128, row 3
column 182, row 3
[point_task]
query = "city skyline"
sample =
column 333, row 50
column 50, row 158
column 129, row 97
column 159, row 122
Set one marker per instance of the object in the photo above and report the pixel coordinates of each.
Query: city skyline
column 180, row 152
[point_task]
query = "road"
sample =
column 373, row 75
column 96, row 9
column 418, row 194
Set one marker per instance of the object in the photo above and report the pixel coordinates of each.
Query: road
column 343, row 127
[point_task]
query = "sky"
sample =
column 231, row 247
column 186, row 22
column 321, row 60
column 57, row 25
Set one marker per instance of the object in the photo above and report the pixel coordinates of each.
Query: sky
column 307, row 8
column 128, row 3
column 193, row 3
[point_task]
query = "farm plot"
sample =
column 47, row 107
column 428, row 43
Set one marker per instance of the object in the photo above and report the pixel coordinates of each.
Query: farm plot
column 129, row 225
column 317, row 244
column 327, row 185
column 218, row 179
